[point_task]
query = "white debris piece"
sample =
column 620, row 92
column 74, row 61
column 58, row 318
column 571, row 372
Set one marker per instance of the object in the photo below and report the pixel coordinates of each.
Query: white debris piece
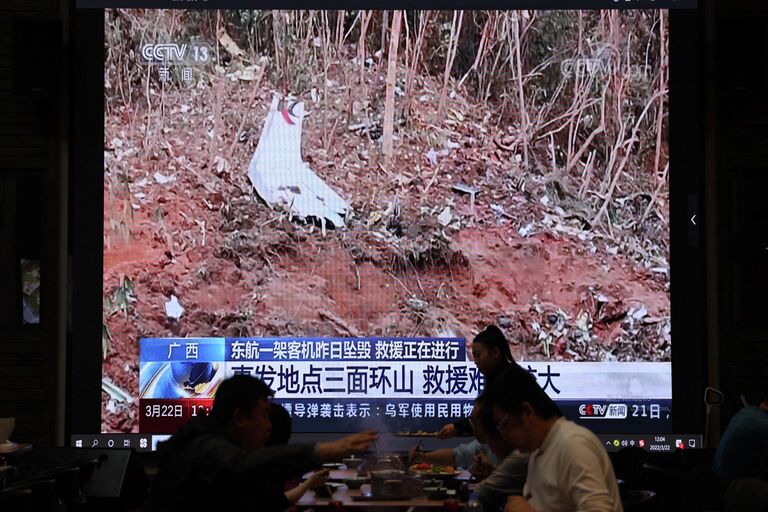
column 526, row 230
column 173, row 309
column 445, row 216
column 432, row 156
column 162, row 179
column 281, row 177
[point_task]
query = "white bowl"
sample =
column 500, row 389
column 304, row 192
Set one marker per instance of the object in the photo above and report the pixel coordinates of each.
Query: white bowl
column 6, row 428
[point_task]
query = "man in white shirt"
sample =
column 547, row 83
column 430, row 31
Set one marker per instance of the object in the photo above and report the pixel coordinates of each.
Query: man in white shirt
column 569, row 470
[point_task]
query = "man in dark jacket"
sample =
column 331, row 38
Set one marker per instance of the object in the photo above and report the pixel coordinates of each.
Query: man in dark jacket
column 220, row 462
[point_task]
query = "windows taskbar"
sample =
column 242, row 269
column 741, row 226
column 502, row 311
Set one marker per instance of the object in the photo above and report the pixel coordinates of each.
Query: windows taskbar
column 612, row 442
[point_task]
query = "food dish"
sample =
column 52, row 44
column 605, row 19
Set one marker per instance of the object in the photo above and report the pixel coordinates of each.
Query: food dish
column 420, row 433
column 434, row 470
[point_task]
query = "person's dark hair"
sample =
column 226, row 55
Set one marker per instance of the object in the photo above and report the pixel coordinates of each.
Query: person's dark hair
column 238, row 392
column 515, row 387
column 281, row 425
column 492, row 337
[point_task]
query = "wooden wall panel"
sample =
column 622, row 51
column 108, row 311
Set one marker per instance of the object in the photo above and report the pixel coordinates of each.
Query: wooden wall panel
column 28, row 147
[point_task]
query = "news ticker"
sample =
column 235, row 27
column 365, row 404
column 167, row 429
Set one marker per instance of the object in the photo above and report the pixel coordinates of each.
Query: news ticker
column 662, row 443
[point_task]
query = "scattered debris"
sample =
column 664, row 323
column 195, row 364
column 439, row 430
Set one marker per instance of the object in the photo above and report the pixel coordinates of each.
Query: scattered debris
column 338, row 322
column 229, row 44
column 445, row 217
column 221, row 164
column 432, row 155
column 526, row 230
column 417, row 304
column 162, row 179
column 252, row 73
column 500, row 211
column 464, row 189
column 173, row 309
column 115, row 393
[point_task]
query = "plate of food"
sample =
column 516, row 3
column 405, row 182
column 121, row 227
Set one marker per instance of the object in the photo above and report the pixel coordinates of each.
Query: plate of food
column 434, row 471
column 420, row 433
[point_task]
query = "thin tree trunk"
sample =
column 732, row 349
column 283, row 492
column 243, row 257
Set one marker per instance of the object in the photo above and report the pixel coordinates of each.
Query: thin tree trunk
column 367, row 15
column 453, row 44
column 276, row 41
column 521, row 95
column 662, row 86
column 384, row 25
column 389, row 106
column 326, row 42
column 627, row 153
column 339, row 32
column 424, row 20
column 481, row 49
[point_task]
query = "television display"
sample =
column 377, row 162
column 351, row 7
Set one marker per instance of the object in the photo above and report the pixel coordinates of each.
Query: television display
column 337, row 202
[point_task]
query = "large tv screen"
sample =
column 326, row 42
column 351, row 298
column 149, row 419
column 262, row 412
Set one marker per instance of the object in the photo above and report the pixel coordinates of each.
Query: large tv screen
column 337, row 202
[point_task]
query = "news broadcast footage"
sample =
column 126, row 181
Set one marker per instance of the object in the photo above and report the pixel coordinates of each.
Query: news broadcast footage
column 337, row 202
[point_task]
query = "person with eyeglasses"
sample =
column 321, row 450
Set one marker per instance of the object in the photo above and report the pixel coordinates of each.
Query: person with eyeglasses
column 568, row 469
column 506, row 478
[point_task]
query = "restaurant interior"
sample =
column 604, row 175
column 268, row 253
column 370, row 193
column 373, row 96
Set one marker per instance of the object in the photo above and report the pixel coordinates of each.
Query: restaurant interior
column 267, row 258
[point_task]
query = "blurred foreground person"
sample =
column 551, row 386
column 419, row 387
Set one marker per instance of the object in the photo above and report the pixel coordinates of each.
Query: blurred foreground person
column 275, row 497
column 220, row 462
column 464, row 455
column 506, row 478
column 743, row 449
column 568, row 470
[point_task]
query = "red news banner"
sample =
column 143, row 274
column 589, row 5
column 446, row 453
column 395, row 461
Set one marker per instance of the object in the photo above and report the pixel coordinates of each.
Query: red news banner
column 165, row 416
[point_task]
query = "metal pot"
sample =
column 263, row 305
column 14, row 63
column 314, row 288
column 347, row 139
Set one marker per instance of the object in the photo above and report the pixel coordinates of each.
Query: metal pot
column 394, row 483
column 383, row 461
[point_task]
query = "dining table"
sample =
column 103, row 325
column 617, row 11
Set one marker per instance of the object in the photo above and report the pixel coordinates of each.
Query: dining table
column 362, row 498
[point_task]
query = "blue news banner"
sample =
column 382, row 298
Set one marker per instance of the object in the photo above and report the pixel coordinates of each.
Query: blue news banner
column 390, row 384
column 326, row 384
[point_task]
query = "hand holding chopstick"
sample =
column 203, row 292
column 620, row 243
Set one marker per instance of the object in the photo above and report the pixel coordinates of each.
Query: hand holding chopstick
column 346, row 445
column 413, row 453
column 482, row 466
